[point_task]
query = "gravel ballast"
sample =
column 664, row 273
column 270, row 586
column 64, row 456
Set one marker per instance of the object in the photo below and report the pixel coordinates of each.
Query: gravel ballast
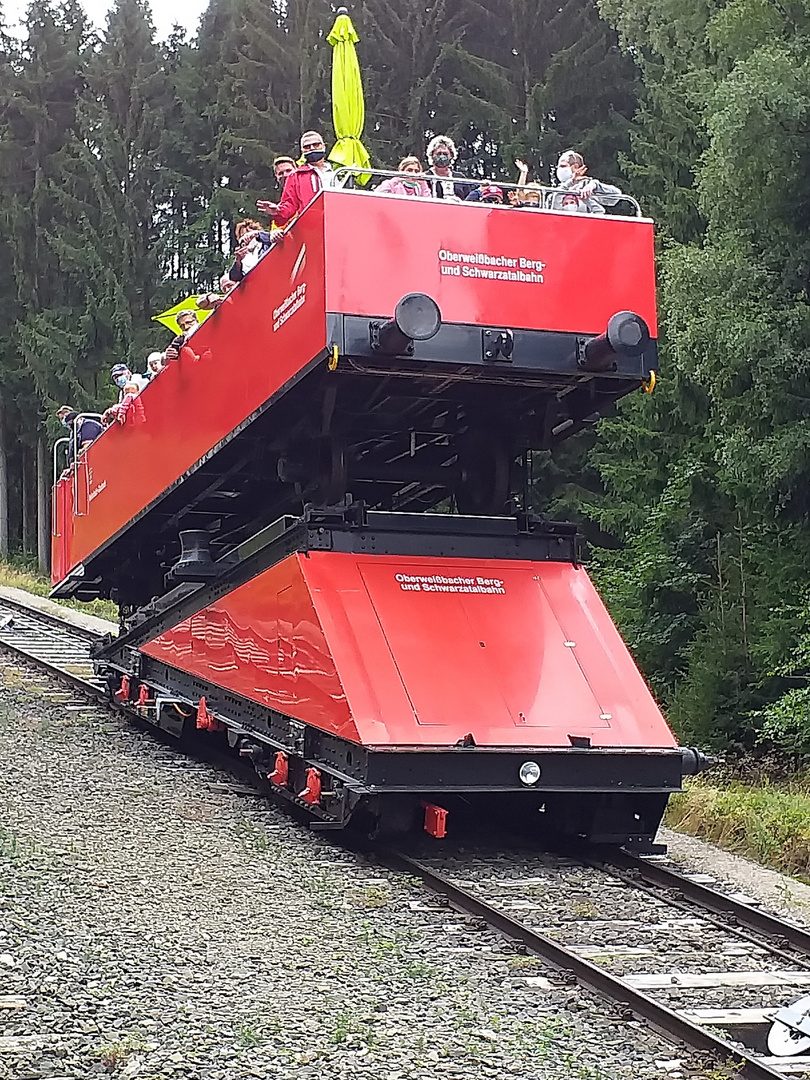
column 157, row 925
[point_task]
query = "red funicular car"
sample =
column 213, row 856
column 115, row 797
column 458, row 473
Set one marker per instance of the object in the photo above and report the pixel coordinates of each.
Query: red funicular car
column 316, row 522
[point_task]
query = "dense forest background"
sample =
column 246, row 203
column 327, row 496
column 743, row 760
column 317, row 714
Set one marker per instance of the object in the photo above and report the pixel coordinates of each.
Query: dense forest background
column 124, row 163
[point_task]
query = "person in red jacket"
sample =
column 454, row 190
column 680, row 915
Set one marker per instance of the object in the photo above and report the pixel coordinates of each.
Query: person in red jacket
column 304, row 183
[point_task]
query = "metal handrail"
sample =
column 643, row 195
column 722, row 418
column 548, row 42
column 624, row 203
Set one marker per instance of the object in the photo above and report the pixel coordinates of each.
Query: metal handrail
column 547, row 194
column 70, row 441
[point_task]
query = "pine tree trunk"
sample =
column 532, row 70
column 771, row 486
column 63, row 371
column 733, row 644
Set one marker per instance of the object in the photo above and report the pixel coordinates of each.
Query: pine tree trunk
column 43, row 507
column 3, row 488
column 26, row 492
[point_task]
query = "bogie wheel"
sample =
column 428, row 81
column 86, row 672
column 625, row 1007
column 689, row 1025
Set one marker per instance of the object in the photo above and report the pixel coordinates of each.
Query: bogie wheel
column 393, row 817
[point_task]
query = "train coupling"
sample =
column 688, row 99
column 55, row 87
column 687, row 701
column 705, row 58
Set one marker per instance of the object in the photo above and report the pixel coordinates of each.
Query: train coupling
column 694, row 761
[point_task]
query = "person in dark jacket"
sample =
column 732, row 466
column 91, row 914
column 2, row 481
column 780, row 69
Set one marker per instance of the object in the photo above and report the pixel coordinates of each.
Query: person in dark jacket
column 441, row 155
column 85, row 427
column 188, row 322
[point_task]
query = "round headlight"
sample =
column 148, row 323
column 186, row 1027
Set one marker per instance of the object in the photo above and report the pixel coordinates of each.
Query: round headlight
column 529, row 773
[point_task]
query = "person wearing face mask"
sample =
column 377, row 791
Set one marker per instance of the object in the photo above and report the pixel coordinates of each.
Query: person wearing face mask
column 121, row 375
column 86, row 428
column 591, row 195
column 442, row 154
column 408, row 184
column 303, row 183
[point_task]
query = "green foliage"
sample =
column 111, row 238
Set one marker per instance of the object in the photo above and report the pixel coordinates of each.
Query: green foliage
column 703, row 503
column 767, row 823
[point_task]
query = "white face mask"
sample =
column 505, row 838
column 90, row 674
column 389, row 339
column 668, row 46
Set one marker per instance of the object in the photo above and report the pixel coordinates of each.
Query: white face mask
column 564, row 173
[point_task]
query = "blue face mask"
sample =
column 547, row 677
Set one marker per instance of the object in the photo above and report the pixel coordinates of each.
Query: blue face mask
column 121, row 381
column 65, row 423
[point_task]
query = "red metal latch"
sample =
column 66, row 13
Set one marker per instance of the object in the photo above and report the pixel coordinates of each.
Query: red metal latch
column 312, row 792
column 206, row 721
column 435, row 820
column 143, row 697
column 281, row 770
column 122, row 693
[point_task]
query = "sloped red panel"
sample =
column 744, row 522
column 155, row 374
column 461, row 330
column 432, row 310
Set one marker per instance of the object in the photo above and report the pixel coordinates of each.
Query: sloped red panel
column 399, row 651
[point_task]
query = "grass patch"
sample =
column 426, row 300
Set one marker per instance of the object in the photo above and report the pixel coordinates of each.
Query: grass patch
column 20, row 576
column 768, row 823
column 115, row 1055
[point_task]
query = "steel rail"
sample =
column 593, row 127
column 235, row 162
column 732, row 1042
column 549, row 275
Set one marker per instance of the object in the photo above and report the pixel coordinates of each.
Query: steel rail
column 632, row 868
column 597, row 979
column 49, row 617
column 59, row 632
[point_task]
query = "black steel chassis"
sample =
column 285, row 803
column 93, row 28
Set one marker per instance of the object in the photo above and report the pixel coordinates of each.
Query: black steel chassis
column 451, row 418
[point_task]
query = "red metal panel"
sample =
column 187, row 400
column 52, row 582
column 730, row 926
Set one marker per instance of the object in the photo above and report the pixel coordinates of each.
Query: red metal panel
column 264, row 641
column 379, row 248
column 396, row 651
column 61, row 528
column 268, row 328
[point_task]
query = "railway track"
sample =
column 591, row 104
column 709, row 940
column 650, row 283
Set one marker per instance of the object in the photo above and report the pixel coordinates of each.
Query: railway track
column 632, row 930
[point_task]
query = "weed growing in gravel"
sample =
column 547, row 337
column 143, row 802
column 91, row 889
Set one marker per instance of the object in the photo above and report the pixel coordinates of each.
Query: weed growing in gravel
column 248, row 1035
column 727, row 1071
column 113, row 1055
column 9, row 844
column 418, row 969
column 584, row 909
column 542, row 1037
column 375, row 896
column 524, row 963
column 254, row 838
column 342, row 1025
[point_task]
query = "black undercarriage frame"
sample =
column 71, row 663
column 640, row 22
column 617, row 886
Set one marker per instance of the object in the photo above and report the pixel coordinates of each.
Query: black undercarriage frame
column 451, row 422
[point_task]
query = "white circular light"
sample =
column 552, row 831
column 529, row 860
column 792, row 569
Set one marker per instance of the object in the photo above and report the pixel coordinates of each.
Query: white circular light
column 529, row 773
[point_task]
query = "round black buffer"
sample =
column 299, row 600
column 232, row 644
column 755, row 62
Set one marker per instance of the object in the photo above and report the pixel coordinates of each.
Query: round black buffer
column 416, row 318
column 627, row 334
column 195, row 562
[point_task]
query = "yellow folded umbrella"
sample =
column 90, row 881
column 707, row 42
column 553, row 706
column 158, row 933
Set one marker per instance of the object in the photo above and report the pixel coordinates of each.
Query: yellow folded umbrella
column 348, row 106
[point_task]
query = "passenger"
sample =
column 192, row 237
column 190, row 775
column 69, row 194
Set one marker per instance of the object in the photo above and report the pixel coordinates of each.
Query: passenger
column 486, row 193
column 119, row 412
column 282, row 167
column 402, row 185
column 189, row 323
column 442, row 154
column 254, row 243
column 154, row 365
column 512, row 196
column 592, row 195
column 303, row 183
column 86, row 429
column 530, row 197
column 121, row 375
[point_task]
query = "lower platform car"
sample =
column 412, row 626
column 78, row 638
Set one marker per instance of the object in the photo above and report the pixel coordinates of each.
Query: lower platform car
column 409, row 670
